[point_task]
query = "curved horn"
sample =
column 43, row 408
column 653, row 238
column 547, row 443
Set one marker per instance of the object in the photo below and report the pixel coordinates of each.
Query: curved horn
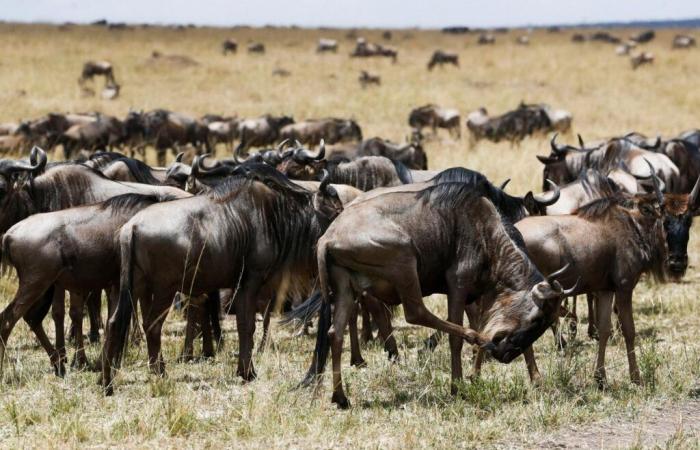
column 38, row 155
column 179, row 157
column 553, row 198
column 553, row 143
column 304, row 156
column 657, row 184
column 580, row 141
column 572, row 289
column 552, row 277
column 693, row 197
column 281, row 145
column 237, row 154
column 325, row 181
column 504, row 184
column 198, row 165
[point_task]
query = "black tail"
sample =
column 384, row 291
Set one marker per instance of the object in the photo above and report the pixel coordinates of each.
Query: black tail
column 323, row 346
column 121, row 319
column 5, row 262
column 304, row 312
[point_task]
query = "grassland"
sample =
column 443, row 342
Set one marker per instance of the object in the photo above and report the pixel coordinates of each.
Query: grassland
column 401, row 405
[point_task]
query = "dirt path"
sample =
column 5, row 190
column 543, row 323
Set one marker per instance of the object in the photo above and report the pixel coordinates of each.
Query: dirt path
column 654, row 427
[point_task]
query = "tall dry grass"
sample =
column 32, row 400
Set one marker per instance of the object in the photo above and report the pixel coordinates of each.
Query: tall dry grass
column 395, row 405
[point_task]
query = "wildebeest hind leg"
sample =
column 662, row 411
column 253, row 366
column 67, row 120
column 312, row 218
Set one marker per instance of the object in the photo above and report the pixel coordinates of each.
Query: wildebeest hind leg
column 34, row 319
column 603, row 312
column 623, row 300
column 356, row 358
column 340, row 283
column 153, row 326
column 76, row 312
column 382, row 315
column 455, row 314
column 246, row 305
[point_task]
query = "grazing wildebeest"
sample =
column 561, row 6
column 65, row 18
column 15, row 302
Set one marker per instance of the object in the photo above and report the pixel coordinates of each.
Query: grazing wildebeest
column 641, row 59
column 255, row 233
column 609, row 247
column 327, row 45
column 95, row 68
column 229, row 46
column 262, row 131
column 224, row 130
column 643, row 37
column 313, row 131
column 486, row 39
column 515, row 125
column 402, row 246
column 256, row 47
column 578, row 38
column 441, row 58
column 683, row 41
column 170, row 130
column 27, row 189
column 436, row 117
column 367, row 78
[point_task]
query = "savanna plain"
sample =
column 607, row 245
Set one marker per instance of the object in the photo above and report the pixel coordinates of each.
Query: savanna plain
column 395, row 405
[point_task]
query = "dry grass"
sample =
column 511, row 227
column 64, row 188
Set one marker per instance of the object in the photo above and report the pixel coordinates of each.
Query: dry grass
column 395, row 405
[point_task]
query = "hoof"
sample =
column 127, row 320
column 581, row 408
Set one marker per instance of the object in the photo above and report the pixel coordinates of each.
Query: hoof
column 59, row 370
column 185, row 358
column 359, row 363
column 341, row 400
column 94, row 338
column 393, row 356
column 80, row 362
column 248, row 375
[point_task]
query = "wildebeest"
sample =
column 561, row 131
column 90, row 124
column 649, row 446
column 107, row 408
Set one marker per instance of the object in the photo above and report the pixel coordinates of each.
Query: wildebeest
column 262, row 131
column 169, row 130
column 402, row 246
column 643, row 37
column 641, row 59
column 523, row 40
column 254, row 233
column 103, row 133
column 604, row 36
column 411, row 154
column 515, row 125
column 327, row 46
column 331, row 130
column 229, row 46
column 224, row 130
column 564, row 164
column 625, row 49
column 578, row 38
column 364, row 49
column 609, row 247
column 367, row 78
column 95, row 68
column 441, row 58
column 486, row 39
column 256, row 47
column 27, row 189
column 436, row 117
column 683, row 41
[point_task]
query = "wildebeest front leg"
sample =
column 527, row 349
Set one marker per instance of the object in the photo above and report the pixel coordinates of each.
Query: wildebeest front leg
column 531, row 363
column 76, row 312
column 455, row 314
column 94, row 307
column 246, row 305
column 623, row 301
column 603, row 306
column 34, row 319
column 192, row 310
column 58, row 314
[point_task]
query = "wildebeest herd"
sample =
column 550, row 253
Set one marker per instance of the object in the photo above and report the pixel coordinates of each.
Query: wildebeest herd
column 317, row 219
column 343, row 232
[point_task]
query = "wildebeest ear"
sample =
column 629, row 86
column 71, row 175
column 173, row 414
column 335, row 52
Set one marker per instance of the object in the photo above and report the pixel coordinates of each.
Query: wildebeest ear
column 546, row 159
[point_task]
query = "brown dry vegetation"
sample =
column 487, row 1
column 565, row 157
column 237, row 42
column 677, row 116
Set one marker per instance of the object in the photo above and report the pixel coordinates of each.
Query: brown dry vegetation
column 395, row 405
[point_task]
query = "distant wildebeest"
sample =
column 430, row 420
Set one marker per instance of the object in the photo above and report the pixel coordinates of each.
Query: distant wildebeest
column 95, row 68
column 367, row 79
column 229, row 46
column 486, row 39
column 515, row 125
column 224, row 130
column 262, row 131
column 168, row 130
column 327, row 46
column 643, row 37
column 436, row 117
column 604, row 36
column 441, row 58
column 410, row 154
column 256, row 47
column 8, row 128
column 578, row 38
column 523, row 40
column 104, row 133
column 258, row 238
column 313, row 131
column 364, row 49
column 641, row 59
column 400, row 246
column 455, row 30
column 280, row 72
column 386, row 35
column 683, row 41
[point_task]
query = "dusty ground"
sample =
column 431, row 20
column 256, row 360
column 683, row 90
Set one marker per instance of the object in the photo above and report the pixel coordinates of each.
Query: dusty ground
column 401, row 405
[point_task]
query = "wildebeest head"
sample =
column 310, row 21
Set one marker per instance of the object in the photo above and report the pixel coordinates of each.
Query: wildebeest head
column 678, row 213
column 555, row 166
column 515, row 322
column 133, row 123
column 301, row 164
column 14, row 175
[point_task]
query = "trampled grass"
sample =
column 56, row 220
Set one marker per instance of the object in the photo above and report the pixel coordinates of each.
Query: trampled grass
column 406, row 404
